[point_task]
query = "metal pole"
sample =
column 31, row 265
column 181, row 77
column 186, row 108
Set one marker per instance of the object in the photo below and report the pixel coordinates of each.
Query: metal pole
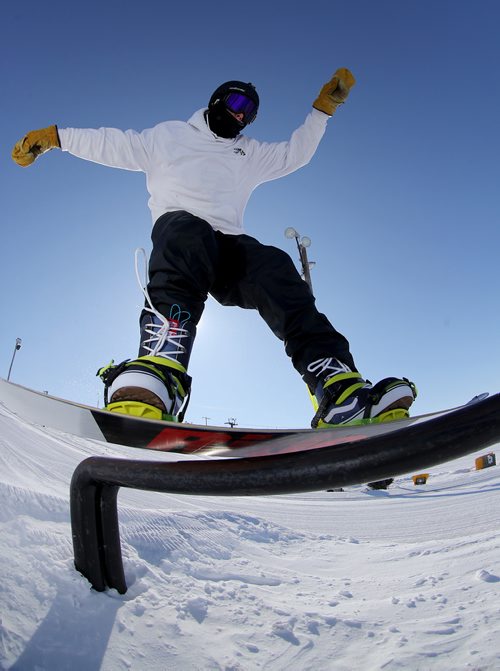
column 302, row 244
column 18, row 346
column 305, row 264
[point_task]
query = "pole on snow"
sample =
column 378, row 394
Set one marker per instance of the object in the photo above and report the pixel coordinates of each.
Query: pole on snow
column 19, row 342
column 302, row 245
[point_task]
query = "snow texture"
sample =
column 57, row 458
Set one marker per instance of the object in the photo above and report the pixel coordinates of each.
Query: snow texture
column 407, row 578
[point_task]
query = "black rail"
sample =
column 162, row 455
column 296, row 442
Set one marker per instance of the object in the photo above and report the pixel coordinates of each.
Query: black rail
column 97, row 480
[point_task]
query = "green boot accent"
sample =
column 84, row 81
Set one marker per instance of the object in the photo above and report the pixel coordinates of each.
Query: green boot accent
column 138, row 409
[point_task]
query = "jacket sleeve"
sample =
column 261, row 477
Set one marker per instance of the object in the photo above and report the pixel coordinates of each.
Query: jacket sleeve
column 277, row 159
column 107, row 146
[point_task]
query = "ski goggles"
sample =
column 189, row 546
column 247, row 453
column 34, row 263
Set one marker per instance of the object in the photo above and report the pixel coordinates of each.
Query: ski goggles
column 241, row 104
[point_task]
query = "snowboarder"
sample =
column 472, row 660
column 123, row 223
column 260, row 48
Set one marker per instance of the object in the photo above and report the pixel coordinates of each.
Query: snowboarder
column 200, row 175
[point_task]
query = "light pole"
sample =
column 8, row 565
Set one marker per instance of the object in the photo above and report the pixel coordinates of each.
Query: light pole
column 19, row 342
column 302, row 245
column 232, row 422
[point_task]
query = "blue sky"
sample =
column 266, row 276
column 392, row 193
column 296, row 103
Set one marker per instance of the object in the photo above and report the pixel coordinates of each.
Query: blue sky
column 401, row 200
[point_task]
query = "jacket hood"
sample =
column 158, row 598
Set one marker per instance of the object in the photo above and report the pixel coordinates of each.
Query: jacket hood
column 199, row 122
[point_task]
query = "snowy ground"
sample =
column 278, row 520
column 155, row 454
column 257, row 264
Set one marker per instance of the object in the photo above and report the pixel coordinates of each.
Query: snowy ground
column 403, row 579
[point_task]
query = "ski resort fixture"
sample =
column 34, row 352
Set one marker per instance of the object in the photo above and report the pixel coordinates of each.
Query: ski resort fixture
column 302, row 245
column 19, row 342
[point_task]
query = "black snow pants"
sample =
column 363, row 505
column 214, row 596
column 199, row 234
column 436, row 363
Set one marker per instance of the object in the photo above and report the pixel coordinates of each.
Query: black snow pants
column 190, row 260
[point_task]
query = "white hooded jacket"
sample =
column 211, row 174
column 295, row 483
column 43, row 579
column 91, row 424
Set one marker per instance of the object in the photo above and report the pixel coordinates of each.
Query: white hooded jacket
column 190, row 168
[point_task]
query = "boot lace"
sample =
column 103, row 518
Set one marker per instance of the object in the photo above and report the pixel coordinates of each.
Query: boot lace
column 328, row 367
column 167, row 331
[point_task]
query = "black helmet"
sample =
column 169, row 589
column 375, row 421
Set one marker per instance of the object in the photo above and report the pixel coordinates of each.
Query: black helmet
column 237, row 97
column 230, row 99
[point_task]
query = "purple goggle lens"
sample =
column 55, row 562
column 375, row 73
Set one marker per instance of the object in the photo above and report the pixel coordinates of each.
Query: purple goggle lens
column 239, row 103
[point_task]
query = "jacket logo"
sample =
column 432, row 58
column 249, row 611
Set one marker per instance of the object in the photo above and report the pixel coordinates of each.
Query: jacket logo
column 238, row 150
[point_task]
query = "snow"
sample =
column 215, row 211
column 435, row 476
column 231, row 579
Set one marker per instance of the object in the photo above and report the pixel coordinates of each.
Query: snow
column 407, row 578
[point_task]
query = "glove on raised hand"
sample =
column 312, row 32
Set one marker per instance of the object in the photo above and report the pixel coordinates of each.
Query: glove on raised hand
column 33, row 144
column 335, row 92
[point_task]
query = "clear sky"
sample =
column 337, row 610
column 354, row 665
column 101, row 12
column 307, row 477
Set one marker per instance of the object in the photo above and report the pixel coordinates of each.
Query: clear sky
column 401, row 200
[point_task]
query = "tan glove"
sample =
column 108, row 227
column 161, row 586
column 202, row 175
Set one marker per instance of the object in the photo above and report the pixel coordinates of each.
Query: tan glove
column 33, row 144
column 335, row 92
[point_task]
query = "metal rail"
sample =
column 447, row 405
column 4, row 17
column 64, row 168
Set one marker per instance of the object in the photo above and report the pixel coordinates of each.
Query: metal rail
column 97, row 480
